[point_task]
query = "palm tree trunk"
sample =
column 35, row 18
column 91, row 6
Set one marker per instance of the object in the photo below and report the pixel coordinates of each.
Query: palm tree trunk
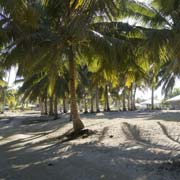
column 129, row 98
column 107, row 94
column 85, row 104
column 4, row 99
column 55, row 108
column 41, row 105
column 45, row 106
column 97, row 99
column 92, row 101
column 152, row 98
column 132, row 105
column 51, row 105
column 119, row 104
column 77, row 123
column 80, row 106
column 124, row 100
column 105, row 103
column 107, row 108
column 64, row 105
column 134, row 97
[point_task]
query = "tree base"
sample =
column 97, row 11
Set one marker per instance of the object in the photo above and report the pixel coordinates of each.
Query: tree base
column 82, row 133
column 77, row 125
column 108, row 110
column 56, row 116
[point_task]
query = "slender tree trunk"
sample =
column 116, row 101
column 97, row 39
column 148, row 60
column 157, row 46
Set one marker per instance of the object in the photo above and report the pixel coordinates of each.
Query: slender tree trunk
column 107, row 108
column 64, row 105
column 107, row 94
column 45, row 106
column 92, row 105
column 124, row 100
column 80, row 106
column 77, row 123
column 134, row 98
column 129, row 98
column 152, row 98
column 132, row 105
column 119, row 104
column 85, row 104
column 51, row 105
column 4, row 99
column 97, row 99
column 41, row 105
column 105, row 103
column 55, row 107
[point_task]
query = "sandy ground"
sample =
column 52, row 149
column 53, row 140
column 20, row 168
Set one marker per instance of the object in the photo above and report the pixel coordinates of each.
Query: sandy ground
column 125, row 146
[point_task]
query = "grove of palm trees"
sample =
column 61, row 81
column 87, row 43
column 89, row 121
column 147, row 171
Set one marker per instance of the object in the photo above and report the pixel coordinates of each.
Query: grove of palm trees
column 76, row 114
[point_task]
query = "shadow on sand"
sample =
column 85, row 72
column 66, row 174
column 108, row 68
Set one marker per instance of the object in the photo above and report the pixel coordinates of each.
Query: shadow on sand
column 68, row 160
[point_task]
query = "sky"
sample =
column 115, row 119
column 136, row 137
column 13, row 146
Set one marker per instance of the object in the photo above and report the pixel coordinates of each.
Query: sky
column 147, row 93
column 11, row 77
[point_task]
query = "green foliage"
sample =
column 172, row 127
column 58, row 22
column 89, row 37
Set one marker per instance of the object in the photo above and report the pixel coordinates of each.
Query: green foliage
column 12, row 99
column 174, row 92
column 38, row 36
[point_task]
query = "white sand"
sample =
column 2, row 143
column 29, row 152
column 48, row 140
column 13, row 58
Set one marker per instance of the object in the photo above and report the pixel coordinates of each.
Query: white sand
column 126, row 146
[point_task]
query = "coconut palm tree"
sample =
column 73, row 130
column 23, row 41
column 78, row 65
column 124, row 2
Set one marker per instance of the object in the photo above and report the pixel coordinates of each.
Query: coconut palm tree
column 76, row 22
column 56, row 31
column 167, row 75
column 166, row 17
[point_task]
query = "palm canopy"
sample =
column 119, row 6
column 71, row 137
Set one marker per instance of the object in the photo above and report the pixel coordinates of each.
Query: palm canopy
column 168, row 26
column 75, row 25
column 50, row 33
column 54, row 33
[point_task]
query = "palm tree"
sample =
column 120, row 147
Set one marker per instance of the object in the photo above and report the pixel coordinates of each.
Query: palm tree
column 162, row 37
column 84, row 85
column 167, row 75
column 71, row 20
column 59, row 30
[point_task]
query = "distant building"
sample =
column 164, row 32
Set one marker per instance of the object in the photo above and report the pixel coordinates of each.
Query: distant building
column 147, row 104
column 174, row 102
